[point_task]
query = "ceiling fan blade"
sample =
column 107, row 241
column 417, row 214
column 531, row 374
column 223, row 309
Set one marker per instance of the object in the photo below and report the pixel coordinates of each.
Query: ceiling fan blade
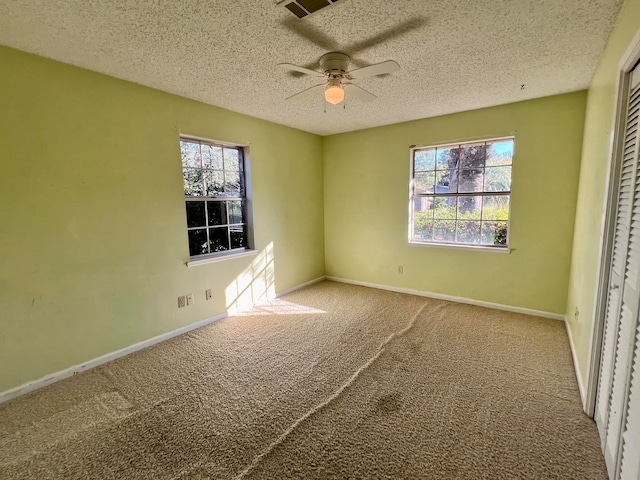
column 358, row 92
column 309, row 92
column 376, row 69
column 393, row 32
column 298, row 68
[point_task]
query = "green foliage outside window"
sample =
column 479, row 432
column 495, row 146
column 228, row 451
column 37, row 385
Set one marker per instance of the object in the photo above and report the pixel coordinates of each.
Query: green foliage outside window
column 461, row 193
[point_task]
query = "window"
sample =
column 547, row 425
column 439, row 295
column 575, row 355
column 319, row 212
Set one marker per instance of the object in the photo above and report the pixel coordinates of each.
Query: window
column 215, row 195
column 460, row 194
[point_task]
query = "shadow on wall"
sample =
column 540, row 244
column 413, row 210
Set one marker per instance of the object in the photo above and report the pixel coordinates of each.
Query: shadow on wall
column 255, row 285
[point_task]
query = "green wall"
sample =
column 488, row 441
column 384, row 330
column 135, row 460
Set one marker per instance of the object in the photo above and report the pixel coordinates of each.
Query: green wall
column 366, row 176
column 598, row 136
column 92, row 225
column 93, row 230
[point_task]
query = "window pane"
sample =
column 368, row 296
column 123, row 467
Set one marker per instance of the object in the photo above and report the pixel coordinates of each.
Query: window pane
column 424, row 182
column 192, row 179
column 444, row 207
column 470, row 181
column 495, row 207
column 236, row 211
column 218, row 239
column 461, row 193
column 214, row 181
column 470, row 208
column 500, row 153
column 212, row 157
column 190, row 153
column 422, row 227
column 231, row 159
column 424, row 160
column 447, row 181
column 447, row 158
column 444, row 230
column 497, row 179
column 195, row 214
column 494, row 233
column 472, row 156
column 217, row 212
column 232, row 184
column 423, row 218
column 197, row 242
column 238, row 237
column 468, row 232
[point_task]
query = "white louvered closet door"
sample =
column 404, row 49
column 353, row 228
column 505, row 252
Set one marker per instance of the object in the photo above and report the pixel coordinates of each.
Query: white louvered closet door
column 618, row 401
column 630, row 449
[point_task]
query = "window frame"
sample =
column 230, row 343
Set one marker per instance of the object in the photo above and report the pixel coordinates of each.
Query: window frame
column 455, row 245
column 246, row 197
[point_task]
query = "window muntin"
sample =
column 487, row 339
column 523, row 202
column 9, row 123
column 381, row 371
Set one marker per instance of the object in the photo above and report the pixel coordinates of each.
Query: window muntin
column 215, row 196
column 461, row 193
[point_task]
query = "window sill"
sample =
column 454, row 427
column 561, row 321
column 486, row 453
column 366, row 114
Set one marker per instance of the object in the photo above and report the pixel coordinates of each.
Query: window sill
column 219, row 258
column 473, row 248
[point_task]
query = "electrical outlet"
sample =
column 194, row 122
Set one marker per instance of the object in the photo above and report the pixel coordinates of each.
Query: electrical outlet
column 189, row 299
column 400, row 269
column 182, row 302
column 208, row 294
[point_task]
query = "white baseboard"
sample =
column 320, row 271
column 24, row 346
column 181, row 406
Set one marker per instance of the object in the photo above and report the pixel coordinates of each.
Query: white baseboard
column 581, row 388
column 68, row 372
column 298, row 287
column 451, row 298
column 74, row 370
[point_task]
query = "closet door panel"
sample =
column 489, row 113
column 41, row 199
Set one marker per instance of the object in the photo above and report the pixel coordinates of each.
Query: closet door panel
column 628, row 461
column 617, row 276
column 617, row 404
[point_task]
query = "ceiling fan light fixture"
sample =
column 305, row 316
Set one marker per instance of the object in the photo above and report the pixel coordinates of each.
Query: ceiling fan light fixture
column 334, row 94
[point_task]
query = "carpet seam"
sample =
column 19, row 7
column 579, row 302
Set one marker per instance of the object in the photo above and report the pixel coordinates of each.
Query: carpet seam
column 256, row 461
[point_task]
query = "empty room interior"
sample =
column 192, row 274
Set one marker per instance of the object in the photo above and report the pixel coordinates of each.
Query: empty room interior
column 320, row 239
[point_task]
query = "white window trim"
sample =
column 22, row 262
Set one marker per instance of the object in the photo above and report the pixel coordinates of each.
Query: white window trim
column 461, row 246
column 457, row 246
column 249, row 250
column 213, row 258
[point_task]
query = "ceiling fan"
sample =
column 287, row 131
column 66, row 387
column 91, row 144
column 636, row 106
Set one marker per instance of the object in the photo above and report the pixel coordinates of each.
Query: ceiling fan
column 337, row 78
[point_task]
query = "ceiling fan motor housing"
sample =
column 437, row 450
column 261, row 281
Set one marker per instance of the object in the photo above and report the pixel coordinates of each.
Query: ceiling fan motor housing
column 334, row 64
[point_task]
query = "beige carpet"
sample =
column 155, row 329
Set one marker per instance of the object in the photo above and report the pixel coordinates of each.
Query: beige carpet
column 330, row 382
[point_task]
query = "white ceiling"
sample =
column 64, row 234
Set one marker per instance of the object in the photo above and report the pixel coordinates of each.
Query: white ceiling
column 455, row 55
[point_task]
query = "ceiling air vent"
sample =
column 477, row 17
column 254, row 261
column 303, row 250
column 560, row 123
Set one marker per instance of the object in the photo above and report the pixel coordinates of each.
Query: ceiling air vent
column 302, row 8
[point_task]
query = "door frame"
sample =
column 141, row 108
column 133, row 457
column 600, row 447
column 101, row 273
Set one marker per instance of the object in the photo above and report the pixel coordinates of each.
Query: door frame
column 626, row 64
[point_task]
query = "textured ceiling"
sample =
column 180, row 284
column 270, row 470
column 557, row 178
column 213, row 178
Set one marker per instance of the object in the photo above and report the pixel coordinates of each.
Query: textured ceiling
column 455, row 55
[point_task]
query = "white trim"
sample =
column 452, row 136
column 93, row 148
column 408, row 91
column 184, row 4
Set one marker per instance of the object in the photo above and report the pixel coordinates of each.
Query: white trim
column 210, row 141
column 474, row 140
column 451, row 298
column 576, row 367
column 412, row 196
column 220, row 258
column 627, row 62
column 459, row 246
column 298, row 287
column 69, row 372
